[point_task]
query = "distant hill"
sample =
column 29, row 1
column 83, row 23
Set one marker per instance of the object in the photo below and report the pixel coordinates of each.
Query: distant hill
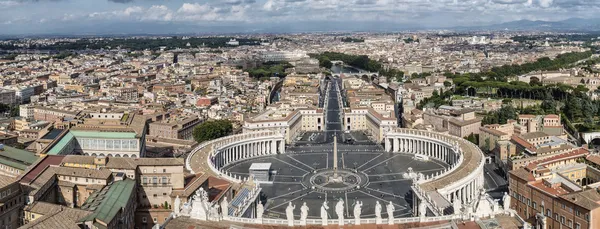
column 572, row 24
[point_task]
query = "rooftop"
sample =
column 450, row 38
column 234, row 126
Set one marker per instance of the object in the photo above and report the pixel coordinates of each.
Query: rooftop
column 107, row 202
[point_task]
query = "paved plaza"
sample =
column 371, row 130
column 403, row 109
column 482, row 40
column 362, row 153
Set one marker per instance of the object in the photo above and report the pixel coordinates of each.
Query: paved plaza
column 383, row 173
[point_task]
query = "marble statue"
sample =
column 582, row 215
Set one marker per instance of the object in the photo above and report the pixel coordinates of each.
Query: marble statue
column 377, row 213
column 422, row 209
column 176, row 207
column 214, row 213
column 357, row 210
column 289, row 212
column 225, row 208
column 260, row 209
column 339, row 210
column 457, row 205
column 186, row 209
column 506, row 201
column 390, row 211
column 324, row 214
column 303, row 214
column 200, row 205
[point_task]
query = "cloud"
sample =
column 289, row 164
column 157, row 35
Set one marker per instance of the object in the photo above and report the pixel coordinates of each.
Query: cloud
column 545, row 3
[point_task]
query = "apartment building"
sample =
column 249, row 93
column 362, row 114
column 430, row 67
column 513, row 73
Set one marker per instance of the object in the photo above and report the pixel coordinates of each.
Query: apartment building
column 460, row 123
column 52, row 114
column 174, row 127
column 124, row 93
column 551, row 199
column 7, row 97
column 287, row 120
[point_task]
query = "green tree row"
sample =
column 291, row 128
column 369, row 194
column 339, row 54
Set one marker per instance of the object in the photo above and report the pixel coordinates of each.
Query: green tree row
column 212, row 129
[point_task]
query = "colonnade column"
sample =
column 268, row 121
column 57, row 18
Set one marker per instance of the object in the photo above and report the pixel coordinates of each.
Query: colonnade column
column 396, row 144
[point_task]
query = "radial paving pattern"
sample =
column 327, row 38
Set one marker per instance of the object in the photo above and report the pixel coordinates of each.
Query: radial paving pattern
column 367, row 176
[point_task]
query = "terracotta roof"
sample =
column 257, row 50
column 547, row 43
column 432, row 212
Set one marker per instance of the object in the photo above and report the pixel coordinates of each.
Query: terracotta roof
column 594, row 159
column 557, row 191
column 522, row 174
column 40, row 166
column 588, row 199
column 64, row 218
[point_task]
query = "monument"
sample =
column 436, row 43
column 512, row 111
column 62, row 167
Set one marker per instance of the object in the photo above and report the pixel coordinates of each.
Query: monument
column 225, row 208
column 303, row 214
column 378, row 219
column 324, row 214
column 339, row 210
column 390, row 211
column 335, row 178
column 357, row 211
column 289, row 212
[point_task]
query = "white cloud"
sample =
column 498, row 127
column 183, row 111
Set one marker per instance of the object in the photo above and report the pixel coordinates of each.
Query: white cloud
column 545, row 3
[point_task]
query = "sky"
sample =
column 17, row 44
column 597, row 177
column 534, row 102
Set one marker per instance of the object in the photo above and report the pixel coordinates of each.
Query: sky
column 155, row 16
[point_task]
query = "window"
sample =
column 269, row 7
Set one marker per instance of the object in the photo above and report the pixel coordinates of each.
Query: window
column 144, row 220
column 556, row 216
column 570, row 223
column 562, row 219
column 155, row 220
column 548, row 212
column 534, row 205
column 164, row 170
column 577, row 213
column 164, row 180
column 528, row 202
column 563, row 206
column 577, row 226
column 155, row 180
column 145, row 180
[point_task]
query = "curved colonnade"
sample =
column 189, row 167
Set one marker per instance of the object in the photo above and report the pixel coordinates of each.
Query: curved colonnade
column 462, row 181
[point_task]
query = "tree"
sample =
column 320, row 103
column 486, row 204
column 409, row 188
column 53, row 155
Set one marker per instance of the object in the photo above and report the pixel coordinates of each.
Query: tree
column 472, row 138
column 212, row 129
column 447, row 83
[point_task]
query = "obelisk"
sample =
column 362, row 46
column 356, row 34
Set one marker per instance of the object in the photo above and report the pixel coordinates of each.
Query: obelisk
column 335, row 160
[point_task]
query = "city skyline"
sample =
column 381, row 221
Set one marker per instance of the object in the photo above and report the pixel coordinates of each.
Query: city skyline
column 250, row 16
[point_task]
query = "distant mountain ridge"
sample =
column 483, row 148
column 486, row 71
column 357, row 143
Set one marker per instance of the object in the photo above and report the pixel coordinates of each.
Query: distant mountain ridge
column 571, row 24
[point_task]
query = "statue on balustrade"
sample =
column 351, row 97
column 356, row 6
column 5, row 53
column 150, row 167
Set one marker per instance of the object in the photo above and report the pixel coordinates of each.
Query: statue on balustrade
column 176, row 207
column 225, row 208
column 324, row 214
column 378, row 213
column 260, row 209
column 457, row 205
column 303, row 214
column 390, row 211
column 339, row 210
column 357, row 212
column 289, row 212
column 422, row 209
column 506, row 201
